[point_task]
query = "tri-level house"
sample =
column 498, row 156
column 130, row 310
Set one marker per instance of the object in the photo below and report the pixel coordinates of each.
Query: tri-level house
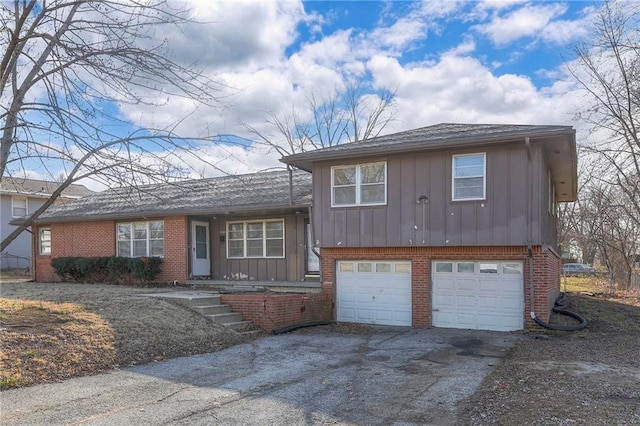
column 450, row 225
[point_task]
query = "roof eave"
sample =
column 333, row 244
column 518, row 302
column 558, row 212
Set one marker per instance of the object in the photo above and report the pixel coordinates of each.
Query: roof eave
column 305, row 160
column 150, row 214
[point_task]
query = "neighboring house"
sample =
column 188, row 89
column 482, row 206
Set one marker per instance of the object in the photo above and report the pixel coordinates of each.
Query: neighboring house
column 21, row 197
column 449, row 225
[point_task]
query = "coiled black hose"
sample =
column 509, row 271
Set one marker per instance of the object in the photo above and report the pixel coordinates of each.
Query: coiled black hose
column 561, row 308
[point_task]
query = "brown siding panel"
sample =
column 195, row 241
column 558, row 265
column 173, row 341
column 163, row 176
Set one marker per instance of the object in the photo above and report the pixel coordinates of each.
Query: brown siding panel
column 394, row 220
column 439, row 198
column 289, row 268
column 517, row 201
column 499, row 220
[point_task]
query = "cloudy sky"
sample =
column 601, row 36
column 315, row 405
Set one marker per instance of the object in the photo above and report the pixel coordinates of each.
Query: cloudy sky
column 494, row 61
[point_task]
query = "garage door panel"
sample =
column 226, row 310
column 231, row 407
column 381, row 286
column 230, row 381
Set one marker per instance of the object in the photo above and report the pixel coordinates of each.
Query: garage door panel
column 373, row 293
column 488, row 303
column 474, row 300
column 467, row 320
column 464, row 301
column 465, row 284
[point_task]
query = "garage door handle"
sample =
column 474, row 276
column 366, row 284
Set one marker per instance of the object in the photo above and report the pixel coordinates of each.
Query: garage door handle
column 436, row 310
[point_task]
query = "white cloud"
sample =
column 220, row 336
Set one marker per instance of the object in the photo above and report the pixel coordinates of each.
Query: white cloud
column 530, row 20
column 239, row 33
column 247, row 46
column 461, row 89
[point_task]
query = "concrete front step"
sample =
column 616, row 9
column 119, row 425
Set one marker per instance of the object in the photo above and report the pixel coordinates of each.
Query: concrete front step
column 204, row 301
column 208, row 305
column 212, row 309
column 225, row 319
column 242, row 326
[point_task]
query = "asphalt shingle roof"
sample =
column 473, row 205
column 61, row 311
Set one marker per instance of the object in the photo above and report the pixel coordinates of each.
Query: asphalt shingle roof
column 258, row 191
column 436, row 136
column 41, row 188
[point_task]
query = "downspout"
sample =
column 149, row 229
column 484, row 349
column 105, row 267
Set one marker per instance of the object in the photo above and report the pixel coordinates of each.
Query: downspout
column 529, row 207
column 312, row 237
column 290, row 170
column 560, row 304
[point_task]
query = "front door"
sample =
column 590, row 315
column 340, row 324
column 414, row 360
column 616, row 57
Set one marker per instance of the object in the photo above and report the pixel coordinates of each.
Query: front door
column 313, row 262
column 200, row 261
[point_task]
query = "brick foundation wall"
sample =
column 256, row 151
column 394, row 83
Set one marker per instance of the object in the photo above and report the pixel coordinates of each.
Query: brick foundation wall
column 98, row 238
column 546, row 268
column 273, row 311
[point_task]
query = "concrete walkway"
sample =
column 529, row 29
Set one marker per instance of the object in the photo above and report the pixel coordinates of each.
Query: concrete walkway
column 394, row 376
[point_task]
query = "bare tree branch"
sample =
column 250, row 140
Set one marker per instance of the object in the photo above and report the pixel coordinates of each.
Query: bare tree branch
column 351, row 116
column 67, row 65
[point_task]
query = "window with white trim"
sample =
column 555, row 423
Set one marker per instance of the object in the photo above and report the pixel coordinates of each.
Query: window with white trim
column 359, row 185
column 140, row 239
column 255, row 239
column 44, row 237
column 19, row 206
column 469, row 177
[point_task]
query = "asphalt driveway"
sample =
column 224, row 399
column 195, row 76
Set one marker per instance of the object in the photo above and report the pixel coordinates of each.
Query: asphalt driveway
column 392, row 376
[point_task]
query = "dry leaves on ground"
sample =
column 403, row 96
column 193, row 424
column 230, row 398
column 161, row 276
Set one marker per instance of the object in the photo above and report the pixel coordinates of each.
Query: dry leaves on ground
column 44, row 341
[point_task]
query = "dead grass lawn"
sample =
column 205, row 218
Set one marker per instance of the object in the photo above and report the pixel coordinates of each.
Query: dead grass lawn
column 53, row 331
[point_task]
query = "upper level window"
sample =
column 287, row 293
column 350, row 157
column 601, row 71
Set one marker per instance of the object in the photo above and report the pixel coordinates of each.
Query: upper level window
column 140, row 239
column 359, row 184
column 469, row 177
column 255, row 239
column 45, row 240
column 18, row 206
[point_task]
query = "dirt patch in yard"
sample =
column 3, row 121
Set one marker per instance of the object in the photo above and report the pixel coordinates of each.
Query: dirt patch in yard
column 588, row 377
column 49, row 332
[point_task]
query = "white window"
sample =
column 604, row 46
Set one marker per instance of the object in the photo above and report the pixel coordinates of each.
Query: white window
column 18, row 206
column 140, row 239
column 444, row 267
column 359, row 184
column 45, row 240
column 469, row 177
column 255, row 239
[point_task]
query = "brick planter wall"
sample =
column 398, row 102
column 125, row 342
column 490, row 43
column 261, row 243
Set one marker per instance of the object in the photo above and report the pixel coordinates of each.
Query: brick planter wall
column 546, row 269
column 274, row 311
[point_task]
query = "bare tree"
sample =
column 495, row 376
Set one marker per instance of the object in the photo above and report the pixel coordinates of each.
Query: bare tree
column 608, row 69
column 329, row 120
column 66, row 66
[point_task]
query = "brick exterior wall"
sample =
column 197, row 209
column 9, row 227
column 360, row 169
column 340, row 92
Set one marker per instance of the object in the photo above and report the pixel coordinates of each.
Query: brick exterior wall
column 546, row 272
column 74, row 239
column 175, row 266
column 98, row 238
column 273, row 311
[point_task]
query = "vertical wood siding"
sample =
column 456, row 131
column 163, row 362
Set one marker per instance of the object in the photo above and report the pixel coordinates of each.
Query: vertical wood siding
column 289, row 268
column 499, row 220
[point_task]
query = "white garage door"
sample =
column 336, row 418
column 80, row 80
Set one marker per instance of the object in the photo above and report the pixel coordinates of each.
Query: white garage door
column 485, row 295
column 374, row 292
